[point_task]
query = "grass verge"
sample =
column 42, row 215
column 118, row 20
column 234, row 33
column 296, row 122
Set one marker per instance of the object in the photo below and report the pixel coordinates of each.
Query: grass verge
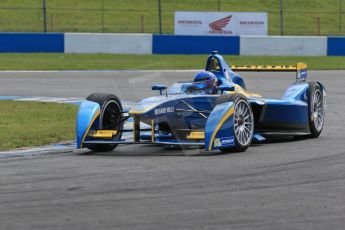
column 25, row 124
column 305, row 17
column 55, row 61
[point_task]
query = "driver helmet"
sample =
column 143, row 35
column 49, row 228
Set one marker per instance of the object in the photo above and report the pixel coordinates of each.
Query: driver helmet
column 206, row 82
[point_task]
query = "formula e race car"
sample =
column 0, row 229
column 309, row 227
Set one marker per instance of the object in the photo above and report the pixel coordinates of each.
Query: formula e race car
column 214, row 110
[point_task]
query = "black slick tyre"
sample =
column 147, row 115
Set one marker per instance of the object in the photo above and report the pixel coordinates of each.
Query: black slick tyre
column 316, row 109
column 110, row 118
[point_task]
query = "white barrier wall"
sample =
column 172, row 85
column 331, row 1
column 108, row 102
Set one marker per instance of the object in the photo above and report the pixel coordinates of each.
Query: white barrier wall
column 158, row 44
column 283, row 45
column 108, row 43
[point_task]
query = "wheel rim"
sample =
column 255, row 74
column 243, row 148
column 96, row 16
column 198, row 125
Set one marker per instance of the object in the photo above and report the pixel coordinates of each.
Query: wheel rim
column 111, row 116
column 318, row 111
column 243, row 123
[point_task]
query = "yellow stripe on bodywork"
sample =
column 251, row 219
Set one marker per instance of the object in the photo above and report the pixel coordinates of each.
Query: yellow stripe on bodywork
column 221, row 122
column 240, row 90
column 301, row 66
column 134, row 137
column 152, row 131
column 88, row 128
column 133, row 111
column 196, row 136
column 102, row 133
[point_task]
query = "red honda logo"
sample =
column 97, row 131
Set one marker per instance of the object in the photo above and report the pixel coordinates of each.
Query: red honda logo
column 217, row 26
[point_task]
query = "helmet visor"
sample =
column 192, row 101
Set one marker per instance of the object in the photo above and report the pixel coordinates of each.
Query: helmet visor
column 200, row 85
column 203, row 84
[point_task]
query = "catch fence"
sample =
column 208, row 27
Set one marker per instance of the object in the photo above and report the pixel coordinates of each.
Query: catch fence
column 308, row 17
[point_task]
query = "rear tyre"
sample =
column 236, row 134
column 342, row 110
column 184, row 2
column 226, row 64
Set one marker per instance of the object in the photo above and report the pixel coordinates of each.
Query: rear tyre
column 316, row 109
column 243, row 121
column 110, row 118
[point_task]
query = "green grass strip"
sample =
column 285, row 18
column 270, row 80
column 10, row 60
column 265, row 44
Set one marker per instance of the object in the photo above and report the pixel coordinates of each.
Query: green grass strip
column 55, row 61
column 300, row 17
column 26, row 124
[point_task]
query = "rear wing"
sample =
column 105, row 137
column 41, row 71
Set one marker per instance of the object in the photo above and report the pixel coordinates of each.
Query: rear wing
column 299, row 68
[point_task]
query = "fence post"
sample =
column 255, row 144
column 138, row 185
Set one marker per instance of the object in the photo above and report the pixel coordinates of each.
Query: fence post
column 160, row 16
column 318, row 26
column 52, row 22
column 281, row 18
column 44, row 16
column 340, row 14
column 142, row 23
column 218, row 5
column 102, row 16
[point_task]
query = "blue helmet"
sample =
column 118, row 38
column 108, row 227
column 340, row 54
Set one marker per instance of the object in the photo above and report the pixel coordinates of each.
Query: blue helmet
column 206, row 82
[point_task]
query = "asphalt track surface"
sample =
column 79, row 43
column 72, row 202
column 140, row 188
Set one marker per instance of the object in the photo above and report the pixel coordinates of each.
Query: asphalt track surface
column 284, row 184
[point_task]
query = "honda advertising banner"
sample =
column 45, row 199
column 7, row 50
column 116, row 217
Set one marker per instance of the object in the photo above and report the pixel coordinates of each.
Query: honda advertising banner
column 220, row 23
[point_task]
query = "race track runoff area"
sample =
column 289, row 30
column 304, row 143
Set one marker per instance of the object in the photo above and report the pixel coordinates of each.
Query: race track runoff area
column 284, row 184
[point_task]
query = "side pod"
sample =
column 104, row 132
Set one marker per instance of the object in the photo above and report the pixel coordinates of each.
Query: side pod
column 87, row 117
column 219, row 131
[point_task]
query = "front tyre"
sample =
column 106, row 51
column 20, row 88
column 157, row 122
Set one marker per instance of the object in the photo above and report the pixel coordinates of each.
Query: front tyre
column 110, row 118
column 243, row 121
column 316, row 109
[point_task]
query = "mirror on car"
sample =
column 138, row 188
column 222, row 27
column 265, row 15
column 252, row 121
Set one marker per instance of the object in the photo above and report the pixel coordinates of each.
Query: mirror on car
column 159, row 87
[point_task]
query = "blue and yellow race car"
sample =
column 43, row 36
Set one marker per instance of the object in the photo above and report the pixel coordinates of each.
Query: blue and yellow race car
column 214, row 110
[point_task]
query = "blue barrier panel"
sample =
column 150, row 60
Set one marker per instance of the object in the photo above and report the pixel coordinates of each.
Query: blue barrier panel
column 31, row 42
column 336, row 46
column 181, row 44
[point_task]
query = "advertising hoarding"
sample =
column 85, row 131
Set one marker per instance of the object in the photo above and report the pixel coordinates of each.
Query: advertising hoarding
column 220, row 23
